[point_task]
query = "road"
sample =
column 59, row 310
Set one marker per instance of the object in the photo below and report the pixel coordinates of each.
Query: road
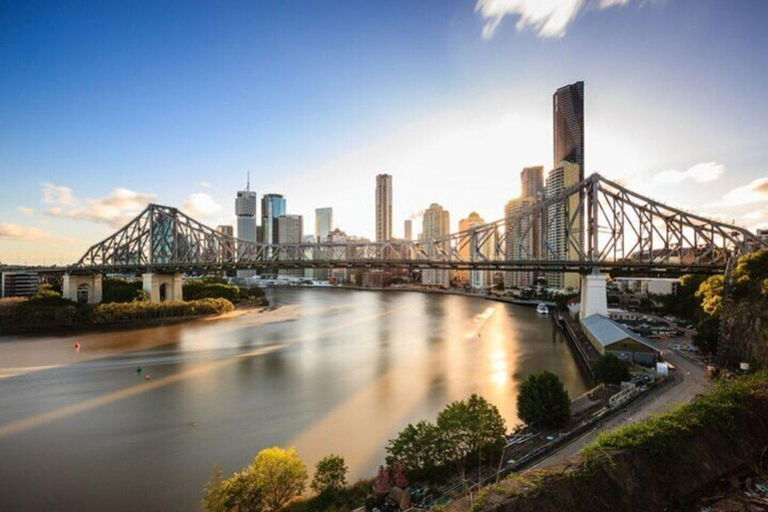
column 691, row 380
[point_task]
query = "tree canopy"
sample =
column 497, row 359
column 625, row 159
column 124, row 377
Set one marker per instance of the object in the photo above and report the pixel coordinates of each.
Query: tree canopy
column 543, row 401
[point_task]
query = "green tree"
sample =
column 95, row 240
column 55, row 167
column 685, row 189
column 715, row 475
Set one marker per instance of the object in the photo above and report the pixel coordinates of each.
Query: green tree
column 419, row 448
column 330, row 474
column 612, row 370
column 468, row 427
column 543, row 401
column 280, row 476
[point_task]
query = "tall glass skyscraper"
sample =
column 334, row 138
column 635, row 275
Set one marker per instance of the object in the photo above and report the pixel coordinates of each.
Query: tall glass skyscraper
column 383, row 207
column 568, row 118
column 272, row 207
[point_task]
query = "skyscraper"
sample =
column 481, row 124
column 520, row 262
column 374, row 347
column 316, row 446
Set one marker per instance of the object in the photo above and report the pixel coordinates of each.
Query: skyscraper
column 229, row 246
column 245, row 209
column 323, row 223
column 289, row 229
column 272, row 206
column 568, row 119
column 564, row 228
column 383, row 207
column 469, row 251
column 408, row 230
column 532, row 181
column 521, row 240
column 323, row 226
column 436, row 224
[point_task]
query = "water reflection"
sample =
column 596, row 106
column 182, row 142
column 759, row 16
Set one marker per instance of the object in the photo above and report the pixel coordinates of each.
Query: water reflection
column 343, row 376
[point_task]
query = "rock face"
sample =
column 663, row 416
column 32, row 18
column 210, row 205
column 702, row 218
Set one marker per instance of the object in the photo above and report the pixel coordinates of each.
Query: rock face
column 639, row 480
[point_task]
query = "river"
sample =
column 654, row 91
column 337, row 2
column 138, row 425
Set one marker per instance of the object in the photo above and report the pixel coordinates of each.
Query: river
column 330, row 371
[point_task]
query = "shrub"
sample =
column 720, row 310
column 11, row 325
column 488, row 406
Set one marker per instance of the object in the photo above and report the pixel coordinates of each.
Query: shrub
column 543, row 401
column 121, row 290
column 612, row 370
column 121, row 312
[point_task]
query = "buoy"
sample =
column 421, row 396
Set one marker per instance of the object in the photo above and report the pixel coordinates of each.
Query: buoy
column 77, row 345
column 147, row 377
column 138, row 369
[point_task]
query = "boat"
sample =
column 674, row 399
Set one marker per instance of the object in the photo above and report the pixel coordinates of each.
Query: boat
column 542, row 309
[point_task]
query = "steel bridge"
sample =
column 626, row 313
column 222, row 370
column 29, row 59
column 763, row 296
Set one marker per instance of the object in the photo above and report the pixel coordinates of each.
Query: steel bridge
column 595, row 225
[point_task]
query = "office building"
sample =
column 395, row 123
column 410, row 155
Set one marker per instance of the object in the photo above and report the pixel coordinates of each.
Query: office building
column 383, row 207
column 290, row 230
column 436, row 224
column 245, row 210
column 323, row 223
column 272, row 207
column 228, row 250
column 18, row 284
column 568, row 119
column 564, row 225
column 323, row 226
column 408, row 230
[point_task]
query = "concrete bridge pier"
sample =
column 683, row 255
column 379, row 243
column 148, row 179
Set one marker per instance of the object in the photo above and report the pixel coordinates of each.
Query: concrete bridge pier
column 82, row 288
column 162, row 287
column 594, row 295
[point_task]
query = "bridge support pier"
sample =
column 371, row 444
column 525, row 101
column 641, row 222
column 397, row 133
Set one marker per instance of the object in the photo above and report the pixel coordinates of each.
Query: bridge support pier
column 82, row 288
column 594, row 295
column 162, row 287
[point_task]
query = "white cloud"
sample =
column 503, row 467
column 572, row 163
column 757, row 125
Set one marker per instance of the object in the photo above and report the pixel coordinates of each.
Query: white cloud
column 115, row 209
column 549, row 18
column 17, row 233
column 754, row 192
column 700, row 173
column 26, row 211
column 200, row 205
column 57, row 194
column 204, row 184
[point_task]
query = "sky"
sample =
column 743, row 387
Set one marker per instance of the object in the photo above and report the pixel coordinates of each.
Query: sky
column 108, row 106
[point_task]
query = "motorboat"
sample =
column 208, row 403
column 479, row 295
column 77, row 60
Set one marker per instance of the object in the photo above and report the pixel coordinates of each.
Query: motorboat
column 542, row 309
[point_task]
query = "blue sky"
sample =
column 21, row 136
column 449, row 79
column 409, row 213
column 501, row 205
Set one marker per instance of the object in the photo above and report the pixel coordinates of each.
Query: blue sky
column 105, row 106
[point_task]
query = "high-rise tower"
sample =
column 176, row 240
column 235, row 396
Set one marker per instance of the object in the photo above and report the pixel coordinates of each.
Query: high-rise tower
column 532, row 181
column 436, row 224
column 383, row 207
column 272, row 206
column 568, row 119
column 245, row 210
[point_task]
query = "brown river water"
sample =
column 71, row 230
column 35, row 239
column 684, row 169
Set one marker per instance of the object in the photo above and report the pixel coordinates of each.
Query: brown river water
column 330, row 371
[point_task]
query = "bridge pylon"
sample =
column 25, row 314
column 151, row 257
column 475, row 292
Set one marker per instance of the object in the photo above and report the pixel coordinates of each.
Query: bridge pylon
column 594, row 294
column 162, row 287
column 82, row 288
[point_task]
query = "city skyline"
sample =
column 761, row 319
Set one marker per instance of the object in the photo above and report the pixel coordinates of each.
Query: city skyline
column 72, row 181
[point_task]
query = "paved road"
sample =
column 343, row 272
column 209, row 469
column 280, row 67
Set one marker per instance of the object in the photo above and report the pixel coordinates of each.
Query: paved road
column 691, row 380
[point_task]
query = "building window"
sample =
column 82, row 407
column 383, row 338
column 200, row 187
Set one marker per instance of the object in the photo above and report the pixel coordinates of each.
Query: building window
column 82, row 293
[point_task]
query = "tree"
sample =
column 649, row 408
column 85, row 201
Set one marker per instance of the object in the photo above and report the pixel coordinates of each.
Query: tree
column 330, row 474
column 419, row 448
column 710, row 293
column 612, row 370
column 238, row 493
column 543, row 401
column 280, row 476
column 707, row 336
column 468, row 427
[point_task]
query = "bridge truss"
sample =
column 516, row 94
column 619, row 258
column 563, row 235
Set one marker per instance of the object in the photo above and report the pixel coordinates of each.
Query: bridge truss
column 595, row 224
